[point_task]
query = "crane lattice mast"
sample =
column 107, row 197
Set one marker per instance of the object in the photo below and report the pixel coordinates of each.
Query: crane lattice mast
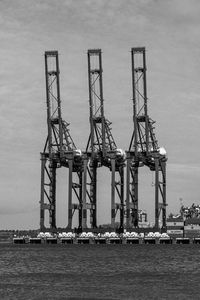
column 101, row 147
column 59, row 151
column 143, row 149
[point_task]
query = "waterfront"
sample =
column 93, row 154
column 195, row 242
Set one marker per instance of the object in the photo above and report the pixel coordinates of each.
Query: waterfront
column 99, row 271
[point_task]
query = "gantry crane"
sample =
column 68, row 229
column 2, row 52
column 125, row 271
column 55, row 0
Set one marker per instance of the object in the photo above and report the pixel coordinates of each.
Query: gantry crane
column 101, row 147
column 143, row 149
column 59, row 151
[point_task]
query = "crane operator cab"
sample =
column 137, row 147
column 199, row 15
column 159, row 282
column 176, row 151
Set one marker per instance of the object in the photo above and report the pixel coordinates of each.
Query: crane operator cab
column 77, row 154
column 120, row 155
column 163, row 153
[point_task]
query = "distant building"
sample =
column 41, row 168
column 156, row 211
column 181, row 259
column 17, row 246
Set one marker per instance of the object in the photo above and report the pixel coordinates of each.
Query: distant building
column 186, row 224
column 142, row 219
column 175, row 225
column 190, row 212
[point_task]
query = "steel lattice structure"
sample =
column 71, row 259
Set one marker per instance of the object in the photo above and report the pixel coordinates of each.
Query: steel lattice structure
column 143, row 149
column 101, row 147
column 101, row 150
column 59, row 151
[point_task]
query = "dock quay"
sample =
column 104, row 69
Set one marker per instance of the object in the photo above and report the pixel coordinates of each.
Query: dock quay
column 111, row 238
column 52, row 240
column 67, row 240
column 35, row 240
column 100, row 240
column 133, row 240
column 183, row 240
column 19, row 240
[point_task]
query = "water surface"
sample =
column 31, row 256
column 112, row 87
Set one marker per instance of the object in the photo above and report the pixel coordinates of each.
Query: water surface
column 99, row 271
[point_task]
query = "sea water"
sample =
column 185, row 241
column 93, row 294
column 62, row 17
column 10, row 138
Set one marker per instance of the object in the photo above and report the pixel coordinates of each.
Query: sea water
column 99, row 271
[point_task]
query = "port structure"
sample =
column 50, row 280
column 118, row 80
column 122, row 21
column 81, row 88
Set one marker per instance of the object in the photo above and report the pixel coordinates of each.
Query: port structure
column 101, row 147
column 59, row 151
column 143, row 148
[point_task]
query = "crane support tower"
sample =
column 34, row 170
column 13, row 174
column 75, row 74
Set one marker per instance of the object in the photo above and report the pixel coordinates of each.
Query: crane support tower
column 143, row 149
column 59, row 151
column 101, row 147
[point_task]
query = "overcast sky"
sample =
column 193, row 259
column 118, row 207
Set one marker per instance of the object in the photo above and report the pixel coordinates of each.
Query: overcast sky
column 170, row 32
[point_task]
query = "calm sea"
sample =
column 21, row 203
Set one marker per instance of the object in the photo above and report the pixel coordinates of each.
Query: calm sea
column 99, row 271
